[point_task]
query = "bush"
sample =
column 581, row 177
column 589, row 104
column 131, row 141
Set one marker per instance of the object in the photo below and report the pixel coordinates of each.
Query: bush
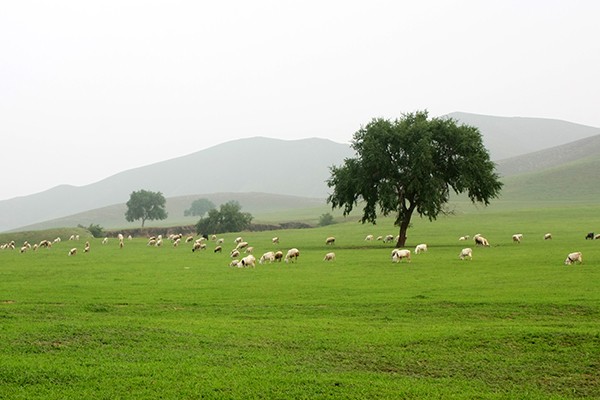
column 325, row 219
column 96, row 230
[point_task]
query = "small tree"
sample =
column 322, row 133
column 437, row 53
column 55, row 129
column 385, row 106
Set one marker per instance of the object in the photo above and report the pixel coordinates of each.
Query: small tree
column 145, row 205
column 228, row 218
column 411, row 164
column 199, row 207
column 325, row 219
column 96, row 230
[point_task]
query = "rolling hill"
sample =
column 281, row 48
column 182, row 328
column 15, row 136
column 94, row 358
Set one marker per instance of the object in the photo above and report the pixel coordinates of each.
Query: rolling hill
column 299, row 168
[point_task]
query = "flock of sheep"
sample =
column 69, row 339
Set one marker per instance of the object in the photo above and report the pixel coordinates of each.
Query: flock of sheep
column 242, row 254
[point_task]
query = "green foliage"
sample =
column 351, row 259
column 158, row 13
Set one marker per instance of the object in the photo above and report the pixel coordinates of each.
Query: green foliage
column 145, row 205
column 325, row 219
column 199, row 207
column 96, row 230
column 412, row 164
column 228, row 218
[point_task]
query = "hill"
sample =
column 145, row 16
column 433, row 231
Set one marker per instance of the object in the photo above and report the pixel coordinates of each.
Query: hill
column 293, row 168
column 265, row 207
column 507, row 137
column 289, row 168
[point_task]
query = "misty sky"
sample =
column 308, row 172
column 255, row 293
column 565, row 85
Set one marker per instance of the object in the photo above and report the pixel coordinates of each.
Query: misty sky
column 89, row 89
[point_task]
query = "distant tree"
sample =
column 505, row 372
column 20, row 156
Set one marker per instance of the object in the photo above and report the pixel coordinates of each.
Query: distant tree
column 411, row 164
column 228, row 218
column 145, row 205
column 325, row 219
column 96, row 230
column 199, row 207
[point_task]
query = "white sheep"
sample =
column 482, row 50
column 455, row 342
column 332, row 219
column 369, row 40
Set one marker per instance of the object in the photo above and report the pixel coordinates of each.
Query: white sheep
column 547, row 236
column 466, row 253
column 398, row 255
column 574, row 257
column 234, row 253
column 330, row 240
column 292, row 255
column 248, row 261
column 268, row 256
column 241, row 245
column 73, row 251
column 278, row 256
column 421, row 248
column 86, row 249
column 238, row 240
column 275, row 240
column 368, row 238
column 105, row 240
column 466, row 237
column 198, row 246
column 517, row 237
column 218, row 249
column 120, row 237
column 329, row 257
column 234, row 263
column 388, row 238
column 481, row 241
column 597, row 236
column 189, row 239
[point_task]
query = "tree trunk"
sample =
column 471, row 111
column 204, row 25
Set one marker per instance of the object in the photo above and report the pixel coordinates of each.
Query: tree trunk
column 143, row 221
column 404, row 226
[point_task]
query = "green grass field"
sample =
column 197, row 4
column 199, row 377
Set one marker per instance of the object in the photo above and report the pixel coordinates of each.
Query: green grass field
column 145, row 322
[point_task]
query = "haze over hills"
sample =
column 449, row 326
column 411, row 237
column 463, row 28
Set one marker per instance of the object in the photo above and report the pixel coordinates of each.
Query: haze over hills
column 294, row 168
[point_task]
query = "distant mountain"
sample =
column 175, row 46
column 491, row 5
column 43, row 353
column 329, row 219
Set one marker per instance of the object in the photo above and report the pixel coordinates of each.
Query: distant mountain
column 287, row 167
column 580, row 151
column 506, row 137
column 291, row 168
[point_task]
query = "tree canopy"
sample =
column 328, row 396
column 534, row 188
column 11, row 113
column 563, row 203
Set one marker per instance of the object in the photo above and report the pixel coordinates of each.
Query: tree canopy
column 411, row 164
column 229, row 218
column 199, row 207
column 145, row 205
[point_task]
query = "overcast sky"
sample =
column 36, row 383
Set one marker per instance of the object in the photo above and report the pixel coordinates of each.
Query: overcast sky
column 92, row 88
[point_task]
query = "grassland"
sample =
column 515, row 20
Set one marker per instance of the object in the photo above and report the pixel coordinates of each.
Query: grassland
column 145, row 322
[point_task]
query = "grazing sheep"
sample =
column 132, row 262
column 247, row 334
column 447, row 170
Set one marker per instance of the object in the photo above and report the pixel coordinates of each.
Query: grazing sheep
column 120, row 236
column 329, row 257
column 57, row 240
column 238, row 240
column 241, row 245
column 220, row 241
column 388, row 238
column 73, row 251
column 129, row 237
column 105, row 240
column 481, row 241
column 24, row 249
column 292, row 255
column 72, row 237
column 330, row 240
column 121, row 244
column 466, row 253
column 159, row 242
column 151, row 242
column 86, row 249
column 198, row 246
column 176, row 242
column 517, row 237
column 218, row 249
column 278, row 256
column 368, row 238
column 275, row 240
column 189, row 239
column 597, row 236
column 268, row 256
column 590, row 236
column 421, row 248
column 234, row 263
column 234, row 253
column 44, row 243
column 398, row 255
column 547, row 236
column 466, row 237
column 379, row 238
column 249, row 250
column 248, row 261
column 574, row 257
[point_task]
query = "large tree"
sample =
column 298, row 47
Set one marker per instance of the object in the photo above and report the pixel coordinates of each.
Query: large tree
column 199, row 207
column 145, row 205
column 229, row 218
column 411, row 164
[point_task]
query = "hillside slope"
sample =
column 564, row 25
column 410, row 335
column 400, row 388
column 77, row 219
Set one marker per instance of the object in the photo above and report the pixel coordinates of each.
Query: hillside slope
column 507, row 137
column 295, row 168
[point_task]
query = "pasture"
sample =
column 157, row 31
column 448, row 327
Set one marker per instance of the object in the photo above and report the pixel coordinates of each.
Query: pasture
column 147, row 322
